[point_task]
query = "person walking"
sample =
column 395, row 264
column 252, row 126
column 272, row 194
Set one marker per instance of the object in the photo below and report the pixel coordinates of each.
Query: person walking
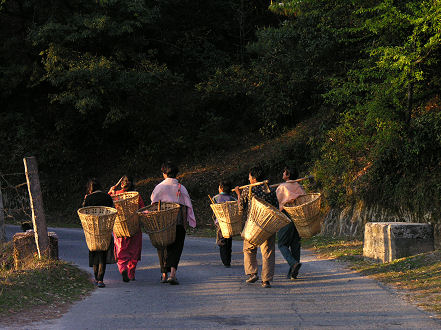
column 267, row 248
column 171, row 190
column 288, row 236
column 98, row 259
column 225, row 244
column 127, row 249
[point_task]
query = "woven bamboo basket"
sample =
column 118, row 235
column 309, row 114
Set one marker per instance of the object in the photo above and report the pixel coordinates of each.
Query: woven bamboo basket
column 263, row 220
column 304, row 206
column 160, row 224
column 97, row 222
column 305, row 213
column 310, row 226
column 127, row 221
column 229, row 218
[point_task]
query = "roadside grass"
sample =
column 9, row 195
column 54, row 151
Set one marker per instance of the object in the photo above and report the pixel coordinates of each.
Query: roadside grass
column 418, row 276
column 48, row 285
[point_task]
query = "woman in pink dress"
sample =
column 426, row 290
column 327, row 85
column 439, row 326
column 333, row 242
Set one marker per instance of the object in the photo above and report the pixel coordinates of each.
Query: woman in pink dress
column 127, row 249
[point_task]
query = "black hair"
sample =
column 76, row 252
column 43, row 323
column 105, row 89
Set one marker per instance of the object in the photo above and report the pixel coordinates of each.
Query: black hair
column 257, row 173
column 130, row 185
column 92, row 185
column 291, row 171
column 225, row 186
column 170, row 169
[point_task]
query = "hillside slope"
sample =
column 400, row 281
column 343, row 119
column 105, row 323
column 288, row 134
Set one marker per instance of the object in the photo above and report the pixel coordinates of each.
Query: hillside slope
column 201, row 176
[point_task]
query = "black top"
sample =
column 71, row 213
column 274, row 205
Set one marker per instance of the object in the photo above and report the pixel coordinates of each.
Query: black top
column 258, row 191
column 98, row 198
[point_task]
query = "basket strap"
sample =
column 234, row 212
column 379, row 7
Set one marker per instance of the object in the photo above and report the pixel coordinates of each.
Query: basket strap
column 178, row 193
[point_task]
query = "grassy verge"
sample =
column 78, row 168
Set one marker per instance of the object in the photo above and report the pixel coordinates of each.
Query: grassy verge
column 419, row 276
column 48, row 286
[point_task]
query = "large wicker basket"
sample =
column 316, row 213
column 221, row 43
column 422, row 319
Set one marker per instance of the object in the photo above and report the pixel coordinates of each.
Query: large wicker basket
column 160, row 224
column 305, row 213
column 304, row 206
column 310, row 226
column 263, row 220
column 97, row 222
column 229, row 218
column 127, row 222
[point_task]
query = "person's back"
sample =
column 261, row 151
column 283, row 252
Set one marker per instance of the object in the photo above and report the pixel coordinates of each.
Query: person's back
column 267, row 248
column 225, row 244
column 98, row 259
column 98, row 198
column 288, row 236
column 288, row 192
column 223, row 197
column 260, row 192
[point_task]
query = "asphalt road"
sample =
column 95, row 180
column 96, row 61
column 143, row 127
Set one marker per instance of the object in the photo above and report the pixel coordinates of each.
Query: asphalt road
column 325, row 296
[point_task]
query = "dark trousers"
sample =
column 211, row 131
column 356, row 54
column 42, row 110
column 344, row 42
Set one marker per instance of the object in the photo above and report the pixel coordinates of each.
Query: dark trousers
column 169, row 257
column 97, row 259
column 289, row 243
column 225, row 250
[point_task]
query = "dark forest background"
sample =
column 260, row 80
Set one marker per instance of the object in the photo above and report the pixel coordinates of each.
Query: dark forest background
column 348, row 90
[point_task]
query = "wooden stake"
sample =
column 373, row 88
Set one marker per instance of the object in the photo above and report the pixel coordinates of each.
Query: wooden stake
column 211, row 199
column 291, row 181
column 159, row 205
column 252, row 185
column 36, row 201
column 2, row 220
column 274, row 185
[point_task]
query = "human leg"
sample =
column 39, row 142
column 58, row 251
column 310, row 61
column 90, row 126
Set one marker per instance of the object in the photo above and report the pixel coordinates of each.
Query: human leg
column 162, row 256
column 174, row 252
column 295, row 244
column 295, row 252
column 135, row 247
column 250, row 260
column 122, row 255
column 285, row 238
column 229, row 244
column 225, row 251
column 268, row 258
column 100, row 265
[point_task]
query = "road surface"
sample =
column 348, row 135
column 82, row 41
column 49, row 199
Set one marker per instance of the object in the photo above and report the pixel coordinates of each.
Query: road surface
column 325, row 296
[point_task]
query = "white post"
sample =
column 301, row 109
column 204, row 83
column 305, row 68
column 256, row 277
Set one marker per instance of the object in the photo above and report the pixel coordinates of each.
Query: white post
column 36, row 201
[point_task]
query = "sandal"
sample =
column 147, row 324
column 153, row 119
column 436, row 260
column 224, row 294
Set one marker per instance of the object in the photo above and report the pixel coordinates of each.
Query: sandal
column 173, row 281
column 125, row 276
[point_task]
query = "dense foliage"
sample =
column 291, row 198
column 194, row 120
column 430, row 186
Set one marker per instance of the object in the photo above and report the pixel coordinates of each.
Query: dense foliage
column 116, row 84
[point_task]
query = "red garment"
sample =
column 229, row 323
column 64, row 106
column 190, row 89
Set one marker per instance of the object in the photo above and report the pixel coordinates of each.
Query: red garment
column 128, row 252
column 128, row 249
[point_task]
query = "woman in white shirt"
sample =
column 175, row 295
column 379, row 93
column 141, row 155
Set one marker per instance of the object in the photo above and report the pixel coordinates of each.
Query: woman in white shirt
column 170, row 190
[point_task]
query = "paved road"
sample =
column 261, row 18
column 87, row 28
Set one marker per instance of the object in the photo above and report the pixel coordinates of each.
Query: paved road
column 326, row 295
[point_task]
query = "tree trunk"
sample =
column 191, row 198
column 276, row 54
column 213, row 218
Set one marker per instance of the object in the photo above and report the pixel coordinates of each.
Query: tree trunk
column 36, row 201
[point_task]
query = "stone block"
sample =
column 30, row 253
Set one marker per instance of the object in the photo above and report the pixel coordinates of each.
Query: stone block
column 25, row 249
column 387, row 241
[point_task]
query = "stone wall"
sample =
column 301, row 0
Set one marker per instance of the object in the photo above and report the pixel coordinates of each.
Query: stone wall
column 350, row 221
